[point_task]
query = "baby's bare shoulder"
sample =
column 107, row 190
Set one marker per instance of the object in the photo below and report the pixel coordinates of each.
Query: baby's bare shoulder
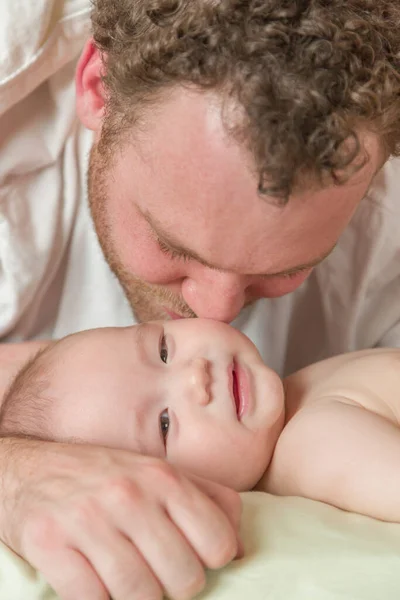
column 369, row 379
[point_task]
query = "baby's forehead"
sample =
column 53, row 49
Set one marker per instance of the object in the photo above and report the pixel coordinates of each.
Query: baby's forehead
column 97, row 344
column 65, row 354
column 86, row 339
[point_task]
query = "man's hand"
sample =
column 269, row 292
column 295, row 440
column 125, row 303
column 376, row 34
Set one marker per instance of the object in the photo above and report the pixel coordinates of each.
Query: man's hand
column 100, row 522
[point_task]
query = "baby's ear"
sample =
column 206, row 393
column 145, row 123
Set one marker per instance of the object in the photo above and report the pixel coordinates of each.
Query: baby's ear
column 90, row 96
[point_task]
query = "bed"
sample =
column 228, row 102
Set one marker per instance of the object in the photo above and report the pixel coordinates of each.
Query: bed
column 296, row 549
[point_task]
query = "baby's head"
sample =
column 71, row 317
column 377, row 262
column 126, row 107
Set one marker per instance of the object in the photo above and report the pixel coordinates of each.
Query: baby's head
column 193, row 391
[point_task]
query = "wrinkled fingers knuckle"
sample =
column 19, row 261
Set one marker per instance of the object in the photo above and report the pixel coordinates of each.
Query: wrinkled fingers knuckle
column 79, row 589
column 222, row 553
column 145, row 591
column 40, row 532
column 191, row 587
column 123, row 492
column 84, row 512
column 167, row 476
column 130, row 578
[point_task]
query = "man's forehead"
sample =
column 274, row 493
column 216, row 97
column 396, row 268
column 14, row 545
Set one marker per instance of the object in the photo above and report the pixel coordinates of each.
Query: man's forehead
column 196, row 186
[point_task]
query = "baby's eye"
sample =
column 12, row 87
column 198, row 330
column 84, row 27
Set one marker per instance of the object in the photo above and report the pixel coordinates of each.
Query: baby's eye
column 163, row 349
column 164, row 424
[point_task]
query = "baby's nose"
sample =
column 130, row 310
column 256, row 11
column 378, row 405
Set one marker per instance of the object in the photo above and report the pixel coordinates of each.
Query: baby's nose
column 200, row 380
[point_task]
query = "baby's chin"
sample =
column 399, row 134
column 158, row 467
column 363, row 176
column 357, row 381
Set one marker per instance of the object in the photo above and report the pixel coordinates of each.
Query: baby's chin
column 248, row 481
column 256, row 465
column 246, row 476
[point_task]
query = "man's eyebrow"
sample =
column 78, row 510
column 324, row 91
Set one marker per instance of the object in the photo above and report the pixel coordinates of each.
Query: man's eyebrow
column 175, row 247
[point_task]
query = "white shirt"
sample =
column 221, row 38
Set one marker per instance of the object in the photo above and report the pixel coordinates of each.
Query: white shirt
column 53, row 277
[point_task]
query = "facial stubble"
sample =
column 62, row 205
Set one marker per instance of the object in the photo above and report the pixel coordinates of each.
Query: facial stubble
column 146, row 300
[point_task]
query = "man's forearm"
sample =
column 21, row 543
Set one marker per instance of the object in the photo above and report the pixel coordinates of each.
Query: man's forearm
column 13, row 357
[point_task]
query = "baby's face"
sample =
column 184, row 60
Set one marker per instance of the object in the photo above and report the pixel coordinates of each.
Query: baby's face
column 193, row 391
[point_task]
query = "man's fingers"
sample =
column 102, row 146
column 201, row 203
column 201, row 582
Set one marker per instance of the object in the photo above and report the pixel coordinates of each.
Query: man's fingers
column 206, row 520
column 70, row 574
column 227, row 499
column 230, row 503
column 124, row 571
column 240, row 550
column 173, row 561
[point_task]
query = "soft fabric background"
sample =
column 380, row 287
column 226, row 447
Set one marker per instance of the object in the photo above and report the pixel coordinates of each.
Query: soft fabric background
column 36, row 39
column 296, row 549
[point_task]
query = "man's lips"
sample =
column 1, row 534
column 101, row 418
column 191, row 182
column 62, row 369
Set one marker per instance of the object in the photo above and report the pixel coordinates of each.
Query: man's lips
column 171, row 314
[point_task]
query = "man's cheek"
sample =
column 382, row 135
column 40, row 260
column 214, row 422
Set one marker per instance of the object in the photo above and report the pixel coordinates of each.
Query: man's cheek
column 148, row 263
column 279, row 286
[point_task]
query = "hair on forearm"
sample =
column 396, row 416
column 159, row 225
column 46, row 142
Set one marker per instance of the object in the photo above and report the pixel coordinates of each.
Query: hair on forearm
column 25, row 408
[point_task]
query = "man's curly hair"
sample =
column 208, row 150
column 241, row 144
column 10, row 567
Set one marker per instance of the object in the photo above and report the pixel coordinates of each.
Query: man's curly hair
column 308, row 75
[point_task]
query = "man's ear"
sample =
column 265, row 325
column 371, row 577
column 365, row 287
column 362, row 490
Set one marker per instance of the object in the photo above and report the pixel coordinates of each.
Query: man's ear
column 90, row 96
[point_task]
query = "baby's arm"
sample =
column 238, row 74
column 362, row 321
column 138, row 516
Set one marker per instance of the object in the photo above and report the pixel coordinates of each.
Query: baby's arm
column 341, row 454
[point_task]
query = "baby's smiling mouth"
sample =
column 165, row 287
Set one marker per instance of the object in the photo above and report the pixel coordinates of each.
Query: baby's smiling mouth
column 240, row 388
column 235, row 391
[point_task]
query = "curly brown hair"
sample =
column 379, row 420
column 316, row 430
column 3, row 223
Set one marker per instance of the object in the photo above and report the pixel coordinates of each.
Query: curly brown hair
column 309, row 75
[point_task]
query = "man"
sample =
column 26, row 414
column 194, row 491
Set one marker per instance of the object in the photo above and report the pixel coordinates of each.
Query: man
column 232, row 145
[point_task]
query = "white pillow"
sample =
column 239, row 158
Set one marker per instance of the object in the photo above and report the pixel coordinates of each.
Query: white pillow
column 37, row 38
column 296, row 549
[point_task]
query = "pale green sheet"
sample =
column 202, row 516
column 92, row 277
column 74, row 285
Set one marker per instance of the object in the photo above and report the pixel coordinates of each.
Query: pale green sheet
column 295, row 550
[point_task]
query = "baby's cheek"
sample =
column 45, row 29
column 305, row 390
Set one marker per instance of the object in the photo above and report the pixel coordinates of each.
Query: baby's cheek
column 242, row 459
column 225, row 452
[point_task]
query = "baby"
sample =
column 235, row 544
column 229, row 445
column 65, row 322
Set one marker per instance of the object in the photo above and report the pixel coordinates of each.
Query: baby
column 197, row 393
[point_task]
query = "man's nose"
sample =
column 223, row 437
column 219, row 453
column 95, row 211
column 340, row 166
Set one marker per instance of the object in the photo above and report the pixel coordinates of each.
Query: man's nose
column 215, row 294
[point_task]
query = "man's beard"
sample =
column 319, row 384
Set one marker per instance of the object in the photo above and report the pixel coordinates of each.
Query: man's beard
column 147, row 300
